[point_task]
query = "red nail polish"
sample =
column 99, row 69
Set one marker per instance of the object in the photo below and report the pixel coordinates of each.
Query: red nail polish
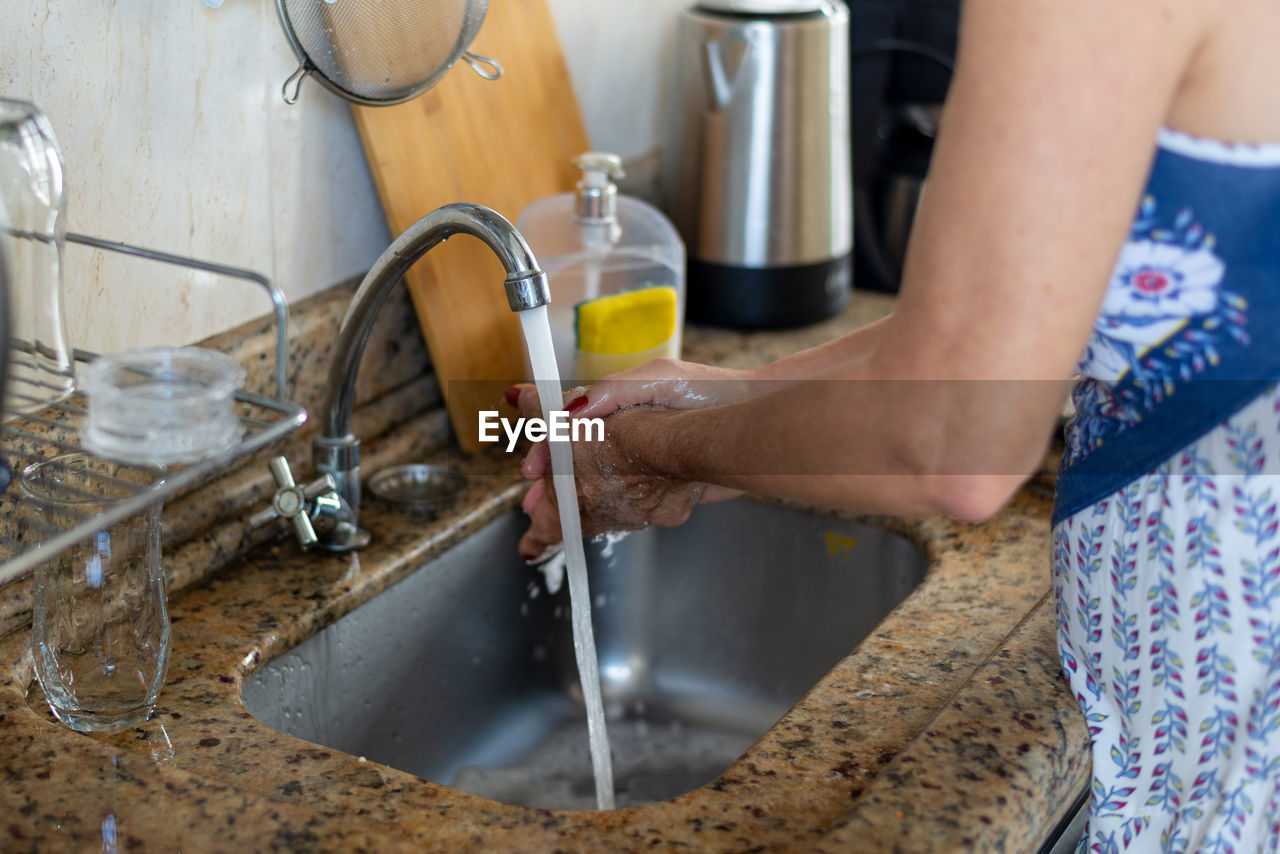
column 512, row 395
column 576, row 404
column 527, row 557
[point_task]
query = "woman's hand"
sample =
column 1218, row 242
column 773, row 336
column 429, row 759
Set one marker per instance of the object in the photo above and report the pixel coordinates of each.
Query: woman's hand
column 615, row 493
column 666, row 383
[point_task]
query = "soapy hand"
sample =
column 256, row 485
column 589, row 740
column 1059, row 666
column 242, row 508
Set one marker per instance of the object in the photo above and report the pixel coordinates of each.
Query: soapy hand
column 614, row 491
column 666, row 383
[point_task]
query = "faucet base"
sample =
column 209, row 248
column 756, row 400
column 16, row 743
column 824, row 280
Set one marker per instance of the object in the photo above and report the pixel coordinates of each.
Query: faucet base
column 345, row 538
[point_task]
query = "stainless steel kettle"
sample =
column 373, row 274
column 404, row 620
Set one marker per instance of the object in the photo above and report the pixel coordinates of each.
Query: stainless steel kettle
column 757, row 173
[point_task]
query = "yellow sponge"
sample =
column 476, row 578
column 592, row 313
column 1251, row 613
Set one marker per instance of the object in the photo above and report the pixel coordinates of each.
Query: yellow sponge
column 627, row 322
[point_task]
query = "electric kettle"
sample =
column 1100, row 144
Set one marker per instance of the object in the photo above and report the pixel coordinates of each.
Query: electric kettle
column 757, row 173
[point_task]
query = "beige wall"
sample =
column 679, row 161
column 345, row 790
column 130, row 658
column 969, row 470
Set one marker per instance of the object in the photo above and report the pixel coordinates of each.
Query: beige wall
column 620, row 54
column 174, row 136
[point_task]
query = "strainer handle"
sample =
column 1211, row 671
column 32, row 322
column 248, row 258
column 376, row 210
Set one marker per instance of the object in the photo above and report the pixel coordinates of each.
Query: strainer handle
column 478, row 63
column 295, row 80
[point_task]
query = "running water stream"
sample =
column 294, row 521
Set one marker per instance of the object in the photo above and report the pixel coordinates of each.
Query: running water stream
column 542, row 357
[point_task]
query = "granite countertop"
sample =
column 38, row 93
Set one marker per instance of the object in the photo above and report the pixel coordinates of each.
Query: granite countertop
column 948, row 728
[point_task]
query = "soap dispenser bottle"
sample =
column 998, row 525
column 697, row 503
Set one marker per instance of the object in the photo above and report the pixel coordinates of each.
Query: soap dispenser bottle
column 616, row 269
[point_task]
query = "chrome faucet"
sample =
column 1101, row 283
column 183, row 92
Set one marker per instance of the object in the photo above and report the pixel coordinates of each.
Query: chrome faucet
column 336, row 452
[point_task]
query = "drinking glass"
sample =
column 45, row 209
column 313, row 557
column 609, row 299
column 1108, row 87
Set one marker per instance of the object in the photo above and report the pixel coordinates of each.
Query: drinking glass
column 32, row 236
column 100, row 636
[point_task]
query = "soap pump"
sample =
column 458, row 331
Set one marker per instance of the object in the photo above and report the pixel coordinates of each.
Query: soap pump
column 616, row 269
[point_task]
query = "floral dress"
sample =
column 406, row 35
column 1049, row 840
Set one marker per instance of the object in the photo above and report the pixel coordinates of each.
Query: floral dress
column 1166, row 553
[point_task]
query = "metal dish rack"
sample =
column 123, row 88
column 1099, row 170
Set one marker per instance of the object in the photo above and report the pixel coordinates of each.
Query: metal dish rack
column 25, row 539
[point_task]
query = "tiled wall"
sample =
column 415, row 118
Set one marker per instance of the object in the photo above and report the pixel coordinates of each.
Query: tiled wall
column 174, row 136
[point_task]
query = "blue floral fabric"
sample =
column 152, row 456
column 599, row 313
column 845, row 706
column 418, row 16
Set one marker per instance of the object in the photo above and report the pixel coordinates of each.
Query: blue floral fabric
column 1186, row 334
column 1163, row 320
column 1166, row 543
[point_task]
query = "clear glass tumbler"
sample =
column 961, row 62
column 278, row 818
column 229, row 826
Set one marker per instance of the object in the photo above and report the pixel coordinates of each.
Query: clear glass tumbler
column 100, row 636
column 32, row 235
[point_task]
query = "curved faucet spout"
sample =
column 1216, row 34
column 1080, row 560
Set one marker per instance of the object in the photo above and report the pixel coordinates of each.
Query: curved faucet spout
column 526, row 288
column 336, row 451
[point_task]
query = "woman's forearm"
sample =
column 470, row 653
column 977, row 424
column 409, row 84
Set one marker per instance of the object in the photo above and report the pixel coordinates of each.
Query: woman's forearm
column 847, row 353
column 857, row 441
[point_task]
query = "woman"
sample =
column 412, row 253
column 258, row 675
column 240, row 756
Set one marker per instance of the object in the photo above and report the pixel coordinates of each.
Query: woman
column 1063, row 120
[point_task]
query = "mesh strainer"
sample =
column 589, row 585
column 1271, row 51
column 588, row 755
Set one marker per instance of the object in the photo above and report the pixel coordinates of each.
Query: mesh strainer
column 380, row 52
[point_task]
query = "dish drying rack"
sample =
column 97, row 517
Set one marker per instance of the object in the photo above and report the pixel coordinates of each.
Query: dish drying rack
column 25, row 539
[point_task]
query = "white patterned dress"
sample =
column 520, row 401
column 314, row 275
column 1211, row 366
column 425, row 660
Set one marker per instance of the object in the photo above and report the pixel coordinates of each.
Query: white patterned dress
column 1168, row 585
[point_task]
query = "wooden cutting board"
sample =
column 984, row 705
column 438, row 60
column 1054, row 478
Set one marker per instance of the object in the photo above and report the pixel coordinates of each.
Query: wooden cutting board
column 502, row 143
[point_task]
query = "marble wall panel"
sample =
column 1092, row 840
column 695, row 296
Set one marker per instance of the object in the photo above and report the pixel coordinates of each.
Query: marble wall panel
column 174, row 136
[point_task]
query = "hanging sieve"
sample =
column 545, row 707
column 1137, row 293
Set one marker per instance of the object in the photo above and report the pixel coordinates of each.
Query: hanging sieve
column 381, row 52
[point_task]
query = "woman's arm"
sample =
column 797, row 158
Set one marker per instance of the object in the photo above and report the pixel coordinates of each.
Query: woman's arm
column 1045, row 144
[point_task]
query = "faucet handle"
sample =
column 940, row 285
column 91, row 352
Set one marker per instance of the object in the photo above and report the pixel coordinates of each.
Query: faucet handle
column 316, row 510
column 290, row 502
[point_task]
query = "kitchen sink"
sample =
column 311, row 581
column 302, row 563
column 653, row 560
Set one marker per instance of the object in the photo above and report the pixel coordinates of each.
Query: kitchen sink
column 707, row 634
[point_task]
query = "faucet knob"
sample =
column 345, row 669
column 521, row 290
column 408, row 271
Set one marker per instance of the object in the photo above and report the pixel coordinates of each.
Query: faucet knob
column 290, row 502
column 317, row 503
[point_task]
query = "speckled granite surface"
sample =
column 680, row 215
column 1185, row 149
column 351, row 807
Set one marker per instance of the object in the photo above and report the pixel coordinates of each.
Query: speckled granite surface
column 946, row 729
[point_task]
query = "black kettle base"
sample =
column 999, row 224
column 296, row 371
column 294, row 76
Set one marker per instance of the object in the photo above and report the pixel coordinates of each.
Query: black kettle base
column 766, row 297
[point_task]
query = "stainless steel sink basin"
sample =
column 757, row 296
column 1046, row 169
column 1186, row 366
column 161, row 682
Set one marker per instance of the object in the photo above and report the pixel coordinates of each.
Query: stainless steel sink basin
column 463, row 673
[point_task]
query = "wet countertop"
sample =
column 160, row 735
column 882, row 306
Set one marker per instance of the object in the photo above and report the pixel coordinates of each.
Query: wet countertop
column 949, row 728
